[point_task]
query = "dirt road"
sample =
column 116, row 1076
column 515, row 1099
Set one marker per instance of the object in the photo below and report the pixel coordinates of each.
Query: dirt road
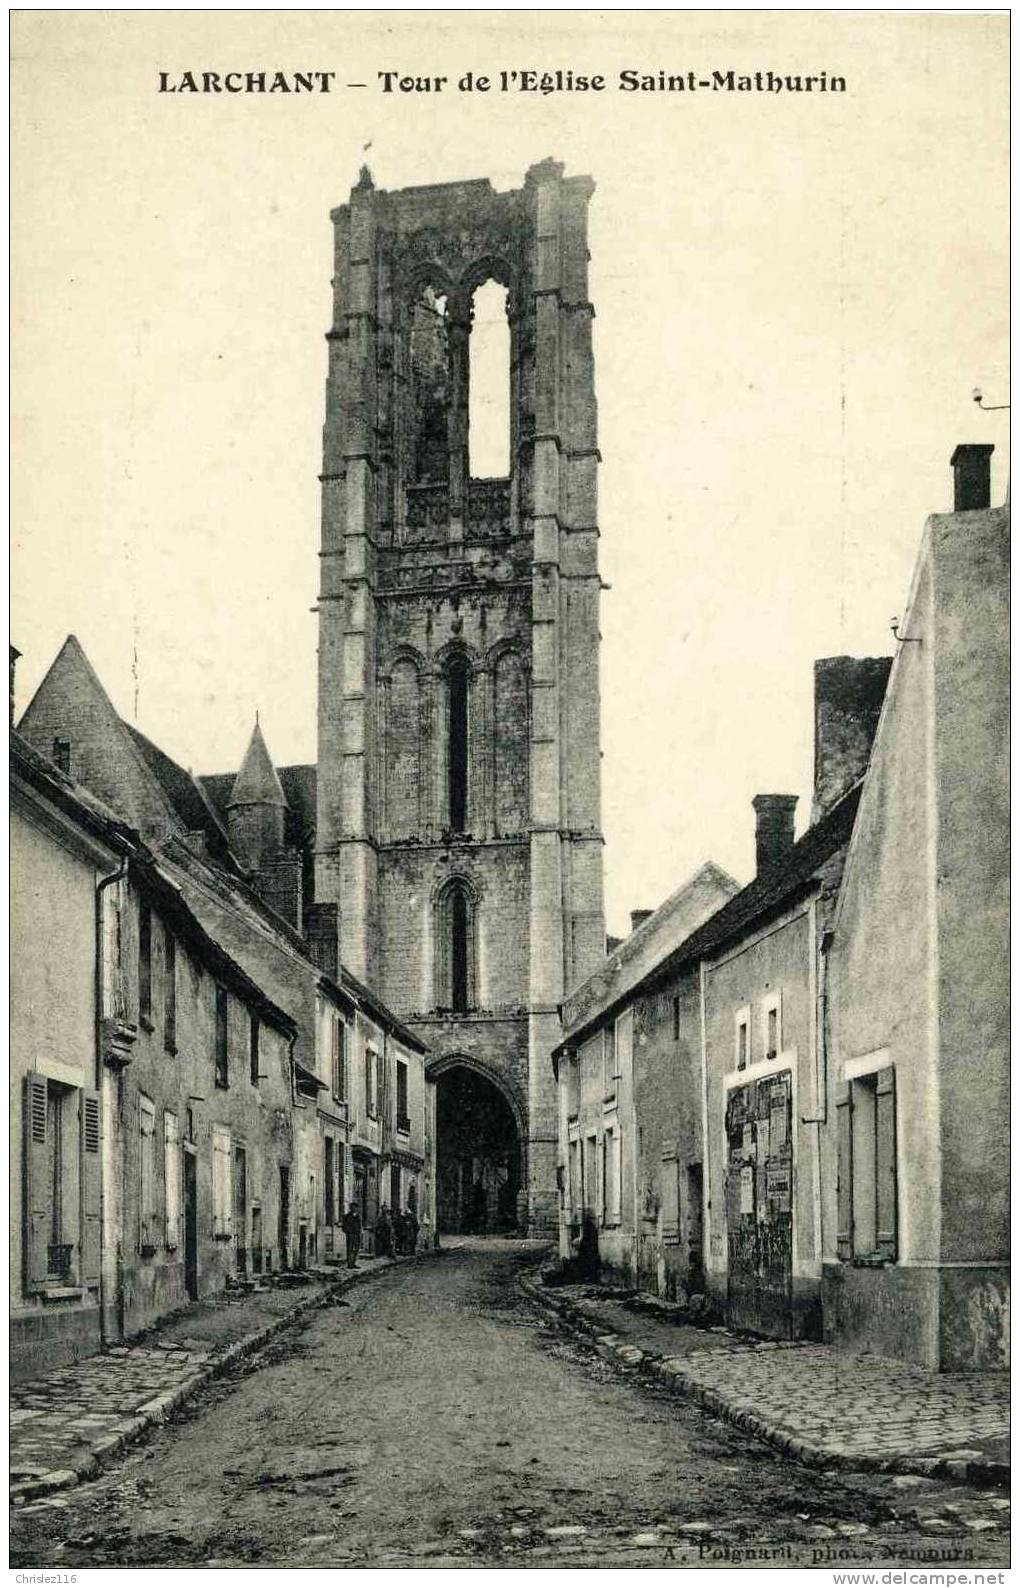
column 434, row 1418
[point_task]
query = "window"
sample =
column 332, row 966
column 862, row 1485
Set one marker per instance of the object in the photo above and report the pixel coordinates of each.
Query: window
column 429, row 358
column 220, row 1038
column 114, row 1001
column 371, row 1083
column 611, row 1177
column 254, row 1043
column 772, row 1025
column 455, row 947
column 62, row 1136
column 489, row 383
column 222, row 1212
column 145, row 965
column 623, row 1045
column 169, row 992
column 403, row 1117
column 573, row 1083
column 457, row 695
column 866, row 1184
column 337, row 1057
column 458, row 950
column 742, row 1037
column 670, row 1198
column 590, row 1184
column 576, row 1191
column 147, row 1220
column 328, row 1182
column 172, row 1174
column 609, row 1062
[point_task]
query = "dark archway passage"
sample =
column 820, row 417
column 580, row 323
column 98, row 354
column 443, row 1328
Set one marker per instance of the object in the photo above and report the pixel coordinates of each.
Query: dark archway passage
column 479, row 1155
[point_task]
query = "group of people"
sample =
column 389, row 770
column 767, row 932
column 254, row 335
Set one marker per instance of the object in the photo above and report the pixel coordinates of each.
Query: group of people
column 395, row 1236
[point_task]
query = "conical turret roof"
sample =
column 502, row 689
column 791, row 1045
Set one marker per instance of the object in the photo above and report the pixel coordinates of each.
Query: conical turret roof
column 257, row 782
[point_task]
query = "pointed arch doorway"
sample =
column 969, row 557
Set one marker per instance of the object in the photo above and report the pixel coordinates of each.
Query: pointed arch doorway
column 478, row 1150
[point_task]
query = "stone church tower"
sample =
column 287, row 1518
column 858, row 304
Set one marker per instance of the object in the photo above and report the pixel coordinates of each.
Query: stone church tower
column 458, row 821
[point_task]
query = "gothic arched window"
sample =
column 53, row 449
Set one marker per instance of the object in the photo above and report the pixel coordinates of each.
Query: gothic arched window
column 458, row 690
column 430, row 389
column 489, row 385
column 455, row 942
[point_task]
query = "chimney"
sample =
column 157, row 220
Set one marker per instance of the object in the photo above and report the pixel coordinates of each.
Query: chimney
column 773, row 830
column 637, row 916
column 972, row 477
column 612, row 943
column 849, row 691
column 322, row 930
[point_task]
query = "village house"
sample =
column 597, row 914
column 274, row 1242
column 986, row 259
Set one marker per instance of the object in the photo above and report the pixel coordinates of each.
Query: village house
column 712, row 1042
column 915, row 1099
column 609, row 1121
column 799, row 1109
column 62, row 847
column 237, row 1092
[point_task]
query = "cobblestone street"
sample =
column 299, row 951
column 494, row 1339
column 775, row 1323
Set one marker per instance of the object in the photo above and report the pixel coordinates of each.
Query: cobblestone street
column 435, row 1416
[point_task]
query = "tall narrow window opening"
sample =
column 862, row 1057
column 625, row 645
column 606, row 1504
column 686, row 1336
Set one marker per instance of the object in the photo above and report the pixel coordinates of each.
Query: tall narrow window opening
column 430, row 388
column 144, row 963
column 455, row 963
column 489, row 385
column 220, row 1039
column 457, row 742
column 459, row 950
column 170, row 992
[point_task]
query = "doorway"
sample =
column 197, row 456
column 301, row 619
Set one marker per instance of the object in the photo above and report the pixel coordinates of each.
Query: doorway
column 479, row 1155
column 283, row 1223
column 241, row 1209
column 759, row 1207
column 190, row 1226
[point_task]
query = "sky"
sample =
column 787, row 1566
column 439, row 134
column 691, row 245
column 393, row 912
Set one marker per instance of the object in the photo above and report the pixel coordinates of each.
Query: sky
column 796, row 296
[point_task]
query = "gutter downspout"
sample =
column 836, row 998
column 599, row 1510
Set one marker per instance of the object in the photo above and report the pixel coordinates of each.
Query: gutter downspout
column 111, row 1255
column 820, row 1117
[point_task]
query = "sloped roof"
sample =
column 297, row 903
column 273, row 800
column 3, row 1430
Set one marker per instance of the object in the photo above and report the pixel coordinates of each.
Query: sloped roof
column 299, row 785
column 698, row 898
column 257, row 783
column 78, row 802
column 764, row 897
column 184, row 792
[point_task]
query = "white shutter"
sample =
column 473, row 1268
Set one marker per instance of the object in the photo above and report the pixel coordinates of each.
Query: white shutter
column 172, row 1178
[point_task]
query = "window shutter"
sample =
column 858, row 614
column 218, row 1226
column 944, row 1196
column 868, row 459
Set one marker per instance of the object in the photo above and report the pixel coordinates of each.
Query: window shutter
column 91, row 1187
column 885, row 1162
column 146, row 1128
column 37, row 1209
column 844, row 1172
column 172, row 1178
column 670, row 1204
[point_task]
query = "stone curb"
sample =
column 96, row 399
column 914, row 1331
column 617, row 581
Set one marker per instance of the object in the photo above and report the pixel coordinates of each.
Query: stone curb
column 156, row 1410
column 670, row 1373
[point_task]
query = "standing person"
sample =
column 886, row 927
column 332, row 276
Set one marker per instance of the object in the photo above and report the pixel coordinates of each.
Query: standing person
column 351, row 1226
column 411, row 1229
column 398, row 1233
column 383, row 1233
